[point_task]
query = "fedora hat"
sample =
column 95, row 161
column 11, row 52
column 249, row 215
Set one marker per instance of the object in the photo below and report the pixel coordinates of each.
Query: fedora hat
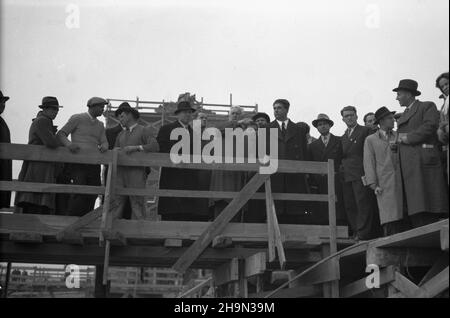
column 183, row 106
column 121, row 108
column 408, row 85
column 322, row 117
column 381, row 113
column 261, row 115
column 3, row 98
column 50, row 101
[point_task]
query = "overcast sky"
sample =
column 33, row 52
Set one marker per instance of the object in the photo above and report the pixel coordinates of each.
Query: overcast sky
column 321, row 55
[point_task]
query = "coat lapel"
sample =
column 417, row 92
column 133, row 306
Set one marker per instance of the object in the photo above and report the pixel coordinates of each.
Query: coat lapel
column 409, row 114
column 290, row 131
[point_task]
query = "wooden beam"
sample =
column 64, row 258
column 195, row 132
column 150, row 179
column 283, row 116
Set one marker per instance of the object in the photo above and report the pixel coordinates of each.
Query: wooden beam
column 434, row 286
column 387, row 275
column 50, row 225
column 437, row 267
column 220, row 223
column 243, row 282
column 255, row 264
column 227, row 273
column 26, row 237
column 62, row 154
column 294, row 292
column 404, row 285
column 151, row 191
column 70, row 237
column 271, row 213
column 114, row 237
column 196, row 289
column 334, row 285
column 444, row 238
column 222, row 241
column 173, row 243
column 402, row 256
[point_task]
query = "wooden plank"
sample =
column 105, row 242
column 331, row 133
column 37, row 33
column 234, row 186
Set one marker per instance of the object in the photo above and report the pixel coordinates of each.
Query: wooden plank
column 274, row 222
column 444, row 238
column 227, row 273
column 401, row 256
column 271, row 245
column 70, row 237
column 334, row 285
column 387, row 275
column 437, row 267
column 196, row 289
column 220, row 223
column 86, row 219
column 323, row 273
column 173, row 243
column 425, row 236
column 151, row 191
column 50, row 225
column 404, row 285
column 434, row 286
column 26, row 237
column 222, row 241
column 115, row 238
column 255, row 264
column 243, row 282
column 62, row 154
column 294, row 292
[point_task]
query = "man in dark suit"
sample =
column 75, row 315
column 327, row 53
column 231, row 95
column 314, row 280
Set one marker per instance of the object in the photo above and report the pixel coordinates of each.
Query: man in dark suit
column 172, row 208
column 292, row 145
column 328, row 146
column 359, row 200
column 5, row 165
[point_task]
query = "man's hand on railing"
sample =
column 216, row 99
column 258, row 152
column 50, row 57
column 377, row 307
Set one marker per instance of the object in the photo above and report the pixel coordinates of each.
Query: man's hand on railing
column 103, row 148
column 74, row 148
column 130, row 149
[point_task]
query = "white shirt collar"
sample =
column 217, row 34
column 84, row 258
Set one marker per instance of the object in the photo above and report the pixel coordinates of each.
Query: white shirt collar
column 280, row 123
column 132, row 127
column 326, row 137
column 183, row 125
column 409, row 107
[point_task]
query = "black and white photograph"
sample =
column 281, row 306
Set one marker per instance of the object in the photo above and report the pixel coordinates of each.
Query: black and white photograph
column 224, row 155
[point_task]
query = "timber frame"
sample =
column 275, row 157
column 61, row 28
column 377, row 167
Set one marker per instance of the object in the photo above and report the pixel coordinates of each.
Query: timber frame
column 240, row 255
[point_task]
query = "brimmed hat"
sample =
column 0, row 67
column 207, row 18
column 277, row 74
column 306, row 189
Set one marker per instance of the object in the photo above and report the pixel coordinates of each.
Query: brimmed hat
column 322, row 117
column 121, row 108
column 381, row 113
column 183, row 106
column 3, row 98
column 96, row 101
column 261, row 115
column 49, row 101
column 408, row 85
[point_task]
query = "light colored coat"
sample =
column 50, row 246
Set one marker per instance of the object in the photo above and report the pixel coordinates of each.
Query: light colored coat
column 382, row 169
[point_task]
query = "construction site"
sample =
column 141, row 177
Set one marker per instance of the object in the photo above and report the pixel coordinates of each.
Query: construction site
column 154, row 258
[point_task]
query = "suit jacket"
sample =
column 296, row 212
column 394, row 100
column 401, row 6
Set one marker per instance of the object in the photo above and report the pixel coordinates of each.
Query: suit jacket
column 292, row 147
column 421, row 168
column 318, row 152
column 353, row 153
column 111, row 135
column 175, row 178
column 5, row 166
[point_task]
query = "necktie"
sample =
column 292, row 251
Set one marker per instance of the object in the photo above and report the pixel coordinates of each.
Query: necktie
column 283, row 129
column 325, row 140
column 349, row 132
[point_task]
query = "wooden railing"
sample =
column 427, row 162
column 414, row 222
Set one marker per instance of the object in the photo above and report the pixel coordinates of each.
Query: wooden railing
column 118, row 158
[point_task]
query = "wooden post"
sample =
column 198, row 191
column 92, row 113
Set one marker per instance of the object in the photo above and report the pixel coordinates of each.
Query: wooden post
column 7, row 277
column 163, row 113
column 332, row 223
column 107, row 216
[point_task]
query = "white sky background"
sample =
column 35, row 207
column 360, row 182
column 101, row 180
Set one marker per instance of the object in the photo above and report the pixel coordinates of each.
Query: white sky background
column 320, row 55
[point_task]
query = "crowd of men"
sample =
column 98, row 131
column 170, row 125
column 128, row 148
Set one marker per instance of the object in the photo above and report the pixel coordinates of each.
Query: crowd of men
column 387, row 180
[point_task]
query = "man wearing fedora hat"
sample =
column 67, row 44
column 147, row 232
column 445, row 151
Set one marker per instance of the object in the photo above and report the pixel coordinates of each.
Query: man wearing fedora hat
column 424, row 185
column 173, row 208
column 87, row 133
column 5, row 165
column 41, row 132
column 326, row 147
column 261, row 119
column 383, row 174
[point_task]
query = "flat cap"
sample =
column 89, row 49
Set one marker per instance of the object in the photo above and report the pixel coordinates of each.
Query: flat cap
column 95, row 101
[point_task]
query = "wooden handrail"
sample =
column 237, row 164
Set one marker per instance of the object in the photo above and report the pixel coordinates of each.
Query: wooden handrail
column 89, row 156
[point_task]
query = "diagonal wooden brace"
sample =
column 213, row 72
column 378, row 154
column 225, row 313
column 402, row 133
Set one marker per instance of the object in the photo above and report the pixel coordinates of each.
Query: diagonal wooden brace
column 220, row 223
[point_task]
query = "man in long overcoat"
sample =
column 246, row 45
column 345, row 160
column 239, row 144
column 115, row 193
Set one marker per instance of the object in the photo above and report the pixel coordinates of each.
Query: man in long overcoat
column 421, row 167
